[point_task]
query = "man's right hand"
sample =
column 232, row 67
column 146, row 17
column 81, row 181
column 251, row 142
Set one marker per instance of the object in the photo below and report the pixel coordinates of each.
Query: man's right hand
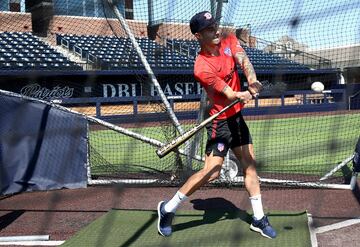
column 244, row 97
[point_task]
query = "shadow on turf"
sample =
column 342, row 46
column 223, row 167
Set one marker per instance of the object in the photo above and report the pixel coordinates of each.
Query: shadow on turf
column 215, row 209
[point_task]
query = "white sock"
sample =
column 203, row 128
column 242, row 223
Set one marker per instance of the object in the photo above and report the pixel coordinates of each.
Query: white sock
column 174, row 203
column 257, row 206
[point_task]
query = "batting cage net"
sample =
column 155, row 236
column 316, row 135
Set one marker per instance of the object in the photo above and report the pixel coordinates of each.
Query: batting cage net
column 129, row 64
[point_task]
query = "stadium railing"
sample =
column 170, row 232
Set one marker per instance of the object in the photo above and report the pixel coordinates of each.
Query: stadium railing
column 289, row 102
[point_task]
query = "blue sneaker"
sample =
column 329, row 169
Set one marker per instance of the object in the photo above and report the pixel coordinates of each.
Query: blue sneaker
column 164, row 220
column 263, row 227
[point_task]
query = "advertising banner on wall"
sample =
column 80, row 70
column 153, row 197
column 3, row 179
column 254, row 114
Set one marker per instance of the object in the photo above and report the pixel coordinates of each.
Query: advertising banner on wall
column 48, row 87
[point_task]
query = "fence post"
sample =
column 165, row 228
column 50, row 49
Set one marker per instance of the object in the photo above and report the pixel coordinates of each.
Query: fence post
column 135, row 102
column 98, row 109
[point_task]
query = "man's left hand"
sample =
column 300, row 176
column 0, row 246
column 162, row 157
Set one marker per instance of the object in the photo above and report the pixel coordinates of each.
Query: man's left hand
column 255, row 88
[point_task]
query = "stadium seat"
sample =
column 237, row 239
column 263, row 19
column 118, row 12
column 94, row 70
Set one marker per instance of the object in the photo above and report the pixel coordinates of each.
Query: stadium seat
column 179, row 53
column 24, row 51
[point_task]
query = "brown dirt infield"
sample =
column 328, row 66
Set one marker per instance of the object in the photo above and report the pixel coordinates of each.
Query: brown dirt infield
column 123, row 109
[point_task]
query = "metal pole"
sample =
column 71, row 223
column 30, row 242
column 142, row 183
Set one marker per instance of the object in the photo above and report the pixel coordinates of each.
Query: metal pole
column 147, row 68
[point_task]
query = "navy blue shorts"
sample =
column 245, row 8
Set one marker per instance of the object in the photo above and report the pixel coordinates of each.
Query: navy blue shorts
column 227, row 133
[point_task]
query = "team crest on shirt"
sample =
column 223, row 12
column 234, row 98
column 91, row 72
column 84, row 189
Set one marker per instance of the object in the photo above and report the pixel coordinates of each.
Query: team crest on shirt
column 221, row 147
column 227, row 51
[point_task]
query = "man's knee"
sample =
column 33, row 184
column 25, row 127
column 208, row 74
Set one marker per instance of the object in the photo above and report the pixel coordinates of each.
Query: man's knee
column 248, row 159
column 211, row 174
column 214, row 176
column 250, row 171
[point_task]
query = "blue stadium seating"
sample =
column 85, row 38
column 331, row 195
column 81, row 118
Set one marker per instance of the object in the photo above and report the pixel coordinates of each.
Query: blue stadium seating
column 24, row 51
column 261, row 60
column 116, row 53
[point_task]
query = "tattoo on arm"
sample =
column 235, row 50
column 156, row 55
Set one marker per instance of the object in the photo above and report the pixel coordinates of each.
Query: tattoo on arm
column 229, row 93
column 246, row 66
column 225, row 88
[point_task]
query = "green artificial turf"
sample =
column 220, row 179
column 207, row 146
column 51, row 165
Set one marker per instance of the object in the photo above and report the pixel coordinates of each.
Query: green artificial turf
column 191, row 228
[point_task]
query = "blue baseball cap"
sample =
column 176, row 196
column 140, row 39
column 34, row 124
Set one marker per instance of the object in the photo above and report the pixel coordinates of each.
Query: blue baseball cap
column 201, row 21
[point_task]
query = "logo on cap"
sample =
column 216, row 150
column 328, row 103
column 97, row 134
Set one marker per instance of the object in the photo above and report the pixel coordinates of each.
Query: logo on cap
column 208, row 16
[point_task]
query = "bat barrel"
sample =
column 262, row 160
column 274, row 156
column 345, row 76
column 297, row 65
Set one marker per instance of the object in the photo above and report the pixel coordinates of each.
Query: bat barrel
column 167, row 148
column 162, row 152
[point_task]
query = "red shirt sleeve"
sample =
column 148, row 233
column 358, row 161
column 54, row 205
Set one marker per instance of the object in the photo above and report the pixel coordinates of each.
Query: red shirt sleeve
column 208, row 79
column 235, row 44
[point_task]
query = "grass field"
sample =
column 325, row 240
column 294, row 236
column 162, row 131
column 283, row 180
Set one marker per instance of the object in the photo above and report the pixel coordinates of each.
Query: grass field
column 308, row 145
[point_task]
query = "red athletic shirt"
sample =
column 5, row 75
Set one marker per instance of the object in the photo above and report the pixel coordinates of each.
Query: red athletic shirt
column 215, row 72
